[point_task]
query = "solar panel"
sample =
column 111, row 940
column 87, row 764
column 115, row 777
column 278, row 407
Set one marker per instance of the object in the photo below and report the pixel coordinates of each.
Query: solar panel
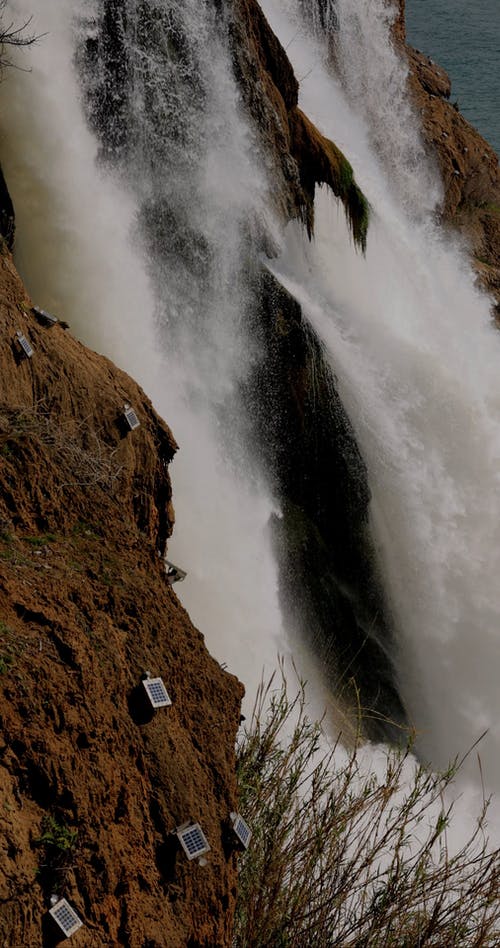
column 66, row 917
column 242, row 829
column 25, row 345
column 156, row 692
column 174, row 573
column 193, row 840
column 45, row 317
column 131, row 417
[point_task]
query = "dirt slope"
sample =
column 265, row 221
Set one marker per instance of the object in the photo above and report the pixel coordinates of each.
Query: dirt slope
column 91, row 786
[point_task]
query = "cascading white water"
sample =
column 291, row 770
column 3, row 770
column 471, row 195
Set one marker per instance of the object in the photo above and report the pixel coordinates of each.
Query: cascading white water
column 411, row 341
column 74, row 249
column 83, row 251
column 405, row 328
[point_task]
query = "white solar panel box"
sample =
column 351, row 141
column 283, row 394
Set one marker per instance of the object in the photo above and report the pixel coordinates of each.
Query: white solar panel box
column 242, row 829
column 25, row 345
column 156, row 692
column 131, row 417
column 193, row 840
column 174, row 573
column 66, row 917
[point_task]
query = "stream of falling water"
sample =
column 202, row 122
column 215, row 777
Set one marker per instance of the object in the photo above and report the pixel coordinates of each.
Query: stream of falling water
column 88, row 251
column 417, row 359
column 74, row 248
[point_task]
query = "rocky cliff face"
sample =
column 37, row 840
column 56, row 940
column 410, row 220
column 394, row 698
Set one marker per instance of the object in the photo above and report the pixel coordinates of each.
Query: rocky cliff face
column 91, row 785
column 468, row 164
column 301, row 156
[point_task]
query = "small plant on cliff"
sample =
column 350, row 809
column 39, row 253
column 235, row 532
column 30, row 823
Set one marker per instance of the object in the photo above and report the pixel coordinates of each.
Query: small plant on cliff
column 345, row 857
column 41, row 540
column 5, row 663
column 56, row 836
column 57, row 843
column 89, row 466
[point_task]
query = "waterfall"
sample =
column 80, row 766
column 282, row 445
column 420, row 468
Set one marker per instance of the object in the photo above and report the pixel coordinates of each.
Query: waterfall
column 412, row 344
column 136, row 225
column 174, row 321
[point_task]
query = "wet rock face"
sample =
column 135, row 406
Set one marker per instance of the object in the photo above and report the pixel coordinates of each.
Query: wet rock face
column 327, row 567
column 91, row 786
column 399, row 27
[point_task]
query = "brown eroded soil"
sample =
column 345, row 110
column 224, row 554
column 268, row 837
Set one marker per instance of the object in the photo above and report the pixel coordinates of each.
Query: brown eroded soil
column 85, row 609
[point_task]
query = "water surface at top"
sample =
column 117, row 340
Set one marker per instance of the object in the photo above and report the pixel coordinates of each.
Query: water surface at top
column 464, row 38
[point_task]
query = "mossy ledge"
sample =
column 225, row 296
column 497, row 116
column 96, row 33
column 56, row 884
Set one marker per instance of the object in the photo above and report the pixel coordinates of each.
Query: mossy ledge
column 302, row 156
column 321, row 162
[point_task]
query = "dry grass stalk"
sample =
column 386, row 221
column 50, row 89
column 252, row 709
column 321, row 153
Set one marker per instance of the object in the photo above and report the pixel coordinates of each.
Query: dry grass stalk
column 79, row 466
column 339, row 858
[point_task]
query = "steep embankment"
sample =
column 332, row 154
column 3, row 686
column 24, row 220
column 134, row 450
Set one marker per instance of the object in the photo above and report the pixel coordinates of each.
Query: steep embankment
column 468, row 164
column 85, row 609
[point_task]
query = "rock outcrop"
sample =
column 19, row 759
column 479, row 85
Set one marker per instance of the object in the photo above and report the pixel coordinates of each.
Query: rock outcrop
column 91, row 785
column 301, row 157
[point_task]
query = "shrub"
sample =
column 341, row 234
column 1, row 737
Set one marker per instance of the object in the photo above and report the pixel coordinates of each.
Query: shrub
column 83, row 466
column 344, row 858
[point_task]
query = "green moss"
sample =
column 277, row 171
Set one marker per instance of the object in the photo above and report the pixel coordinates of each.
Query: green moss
column 346, row 174
column 355, row 203
column 358, row 214
column 6, row 661
column 41, row 540
column 343, row 185
column 491, row 208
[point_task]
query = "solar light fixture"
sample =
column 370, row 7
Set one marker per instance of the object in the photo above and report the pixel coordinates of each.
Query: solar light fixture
column 156, row 691
column 174, row 573
column 193, row 841
column 65, row 916
column 45, row 317
column 130, row 417
column 24, row 344
column 242, row 829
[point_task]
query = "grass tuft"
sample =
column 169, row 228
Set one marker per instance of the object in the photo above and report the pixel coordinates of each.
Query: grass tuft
column 345, row 857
